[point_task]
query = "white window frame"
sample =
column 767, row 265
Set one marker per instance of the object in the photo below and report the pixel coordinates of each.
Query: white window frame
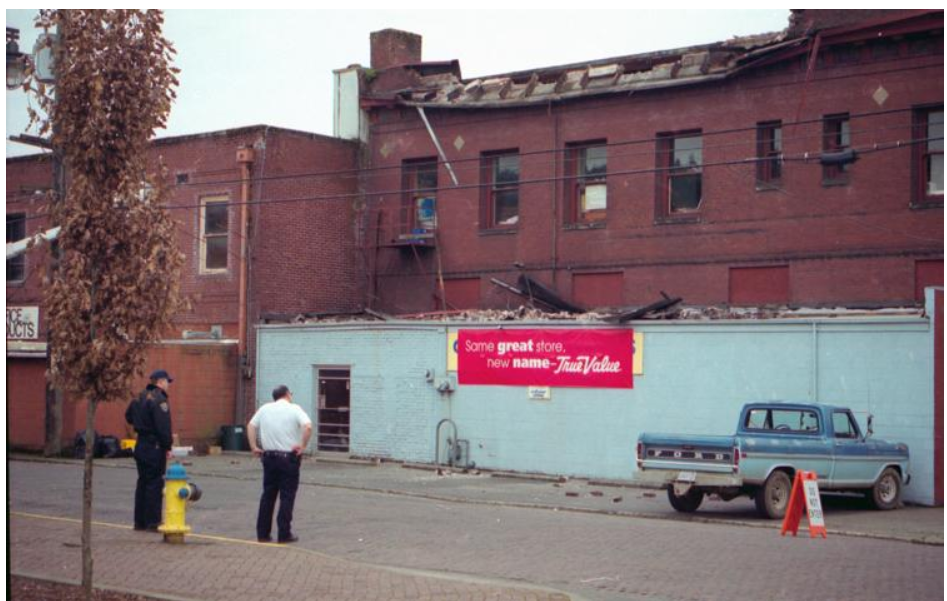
column 203, row 234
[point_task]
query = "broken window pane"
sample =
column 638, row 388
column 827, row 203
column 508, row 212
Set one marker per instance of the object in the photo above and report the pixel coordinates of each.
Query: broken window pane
column 426, row 176
column 215, row 218
column 216, row 253
column 506, row 210
column 506, row 170
column 935, row 131
column 16, row 231
column 595, row 161
column 685, row 192
column 935, row 170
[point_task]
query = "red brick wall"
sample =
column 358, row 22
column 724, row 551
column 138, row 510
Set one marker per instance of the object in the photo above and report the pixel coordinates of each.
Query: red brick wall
column 853, row 244
column 593, row 290
column 202, row 396
column 303, row 251
column 303, row 254
column 24, row 177
column 759, row 285
column 26, row 403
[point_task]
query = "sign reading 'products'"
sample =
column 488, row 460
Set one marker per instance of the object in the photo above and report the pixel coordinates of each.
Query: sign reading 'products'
column 576, row 358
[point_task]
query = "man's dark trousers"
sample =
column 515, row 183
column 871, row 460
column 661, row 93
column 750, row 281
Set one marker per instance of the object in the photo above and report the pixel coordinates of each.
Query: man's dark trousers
column 151, row 461
column 280, row 477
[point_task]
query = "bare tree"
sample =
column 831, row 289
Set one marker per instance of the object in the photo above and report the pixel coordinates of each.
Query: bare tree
column 117, row 283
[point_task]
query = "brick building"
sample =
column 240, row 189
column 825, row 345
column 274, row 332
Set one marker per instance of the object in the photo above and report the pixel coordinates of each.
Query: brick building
column 300, row 241
column 799, row 168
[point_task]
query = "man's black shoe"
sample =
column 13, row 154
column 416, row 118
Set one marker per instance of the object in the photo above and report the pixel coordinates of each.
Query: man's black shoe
column 264, row 539
column 292, row 538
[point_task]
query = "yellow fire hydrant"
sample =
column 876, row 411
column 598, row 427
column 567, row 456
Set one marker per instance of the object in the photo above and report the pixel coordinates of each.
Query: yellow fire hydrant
column 177, row 492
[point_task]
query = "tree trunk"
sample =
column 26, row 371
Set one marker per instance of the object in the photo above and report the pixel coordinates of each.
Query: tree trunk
column 87, row 500
column 53, row 446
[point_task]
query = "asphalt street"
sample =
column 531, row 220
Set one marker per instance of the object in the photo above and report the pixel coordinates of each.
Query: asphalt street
column 591, row 555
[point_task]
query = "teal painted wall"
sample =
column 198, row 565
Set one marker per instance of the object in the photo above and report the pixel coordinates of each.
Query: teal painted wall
column 697, row 376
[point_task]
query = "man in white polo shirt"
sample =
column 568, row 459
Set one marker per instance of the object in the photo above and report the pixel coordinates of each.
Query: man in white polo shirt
column 284, row 431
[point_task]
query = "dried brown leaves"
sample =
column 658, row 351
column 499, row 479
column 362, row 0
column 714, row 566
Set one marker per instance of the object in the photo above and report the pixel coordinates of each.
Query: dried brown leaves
column 116, row 288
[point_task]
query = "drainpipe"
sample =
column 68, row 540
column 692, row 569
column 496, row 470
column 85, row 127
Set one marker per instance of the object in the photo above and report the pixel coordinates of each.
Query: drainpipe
column 245, row 157
column 815, row 362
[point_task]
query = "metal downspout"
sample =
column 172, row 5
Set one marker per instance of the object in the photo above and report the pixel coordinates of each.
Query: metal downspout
column 815, row 362
column 245, row 158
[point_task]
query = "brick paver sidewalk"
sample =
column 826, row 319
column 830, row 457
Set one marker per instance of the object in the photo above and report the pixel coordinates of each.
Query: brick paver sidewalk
column 210, row 568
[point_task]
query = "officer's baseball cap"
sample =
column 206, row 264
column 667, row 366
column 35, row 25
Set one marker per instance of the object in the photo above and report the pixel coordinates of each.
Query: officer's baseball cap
column 160, row 373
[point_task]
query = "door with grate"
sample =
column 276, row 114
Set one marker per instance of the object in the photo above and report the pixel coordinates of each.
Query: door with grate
column 333, row 407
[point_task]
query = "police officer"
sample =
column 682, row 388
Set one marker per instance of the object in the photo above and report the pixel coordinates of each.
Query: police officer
column 150, row 415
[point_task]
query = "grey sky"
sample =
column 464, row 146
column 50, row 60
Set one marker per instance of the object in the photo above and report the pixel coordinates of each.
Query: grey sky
column 275, row 67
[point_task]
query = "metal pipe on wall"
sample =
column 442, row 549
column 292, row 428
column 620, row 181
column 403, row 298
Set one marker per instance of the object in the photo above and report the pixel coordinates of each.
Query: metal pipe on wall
column 245, row 158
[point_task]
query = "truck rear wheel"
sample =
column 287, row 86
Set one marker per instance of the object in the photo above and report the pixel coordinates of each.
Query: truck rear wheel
column 886, row 492
column 773, row 497
column 688, row 502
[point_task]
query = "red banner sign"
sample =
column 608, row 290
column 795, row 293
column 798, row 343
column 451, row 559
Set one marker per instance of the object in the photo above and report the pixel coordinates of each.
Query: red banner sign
column 575, row 358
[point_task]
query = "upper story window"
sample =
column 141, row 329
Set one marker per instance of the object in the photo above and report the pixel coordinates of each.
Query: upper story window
column 586, row 189
column 501, row 190
column 681, row 177
column 215, row 233
column 836, row 137
column 420, row 185
column 769, row 151
column 929, row 155
column 16, row 231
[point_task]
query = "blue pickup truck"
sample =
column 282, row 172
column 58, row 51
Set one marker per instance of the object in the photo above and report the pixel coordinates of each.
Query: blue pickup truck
column 773, row 440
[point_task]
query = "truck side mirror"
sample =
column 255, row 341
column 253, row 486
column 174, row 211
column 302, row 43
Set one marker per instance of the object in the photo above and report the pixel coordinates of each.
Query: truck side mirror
column 871, row 429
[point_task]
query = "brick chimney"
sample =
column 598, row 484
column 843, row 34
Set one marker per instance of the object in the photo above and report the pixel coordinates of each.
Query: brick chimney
column 393, row 47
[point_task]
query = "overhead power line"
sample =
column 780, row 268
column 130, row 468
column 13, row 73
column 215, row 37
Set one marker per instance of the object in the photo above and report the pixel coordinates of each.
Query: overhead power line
column 811, row 157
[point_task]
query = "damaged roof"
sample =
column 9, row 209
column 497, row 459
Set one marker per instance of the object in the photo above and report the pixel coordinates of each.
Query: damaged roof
column 444, row 88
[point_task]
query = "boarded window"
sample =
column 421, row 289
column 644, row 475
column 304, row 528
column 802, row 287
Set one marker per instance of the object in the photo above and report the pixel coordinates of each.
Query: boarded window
column 594, row 290
column 759, row 285
column 927, row 273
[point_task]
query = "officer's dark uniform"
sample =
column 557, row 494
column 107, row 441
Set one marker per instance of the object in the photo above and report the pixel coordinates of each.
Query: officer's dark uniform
column 150, row 415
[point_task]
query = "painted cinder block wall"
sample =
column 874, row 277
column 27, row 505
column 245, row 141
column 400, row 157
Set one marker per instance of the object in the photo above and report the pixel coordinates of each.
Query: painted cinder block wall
column 697, row 376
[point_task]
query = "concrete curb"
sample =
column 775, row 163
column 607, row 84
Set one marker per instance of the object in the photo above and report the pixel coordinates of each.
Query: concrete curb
column 547, row 507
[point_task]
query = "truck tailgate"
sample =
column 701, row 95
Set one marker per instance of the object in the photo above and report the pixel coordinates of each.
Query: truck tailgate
column 694, row 453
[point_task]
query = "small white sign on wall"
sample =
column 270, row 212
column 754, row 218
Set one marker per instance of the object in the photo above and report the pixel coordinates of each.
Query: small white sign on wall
column 539, row 393
column 22, row 323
